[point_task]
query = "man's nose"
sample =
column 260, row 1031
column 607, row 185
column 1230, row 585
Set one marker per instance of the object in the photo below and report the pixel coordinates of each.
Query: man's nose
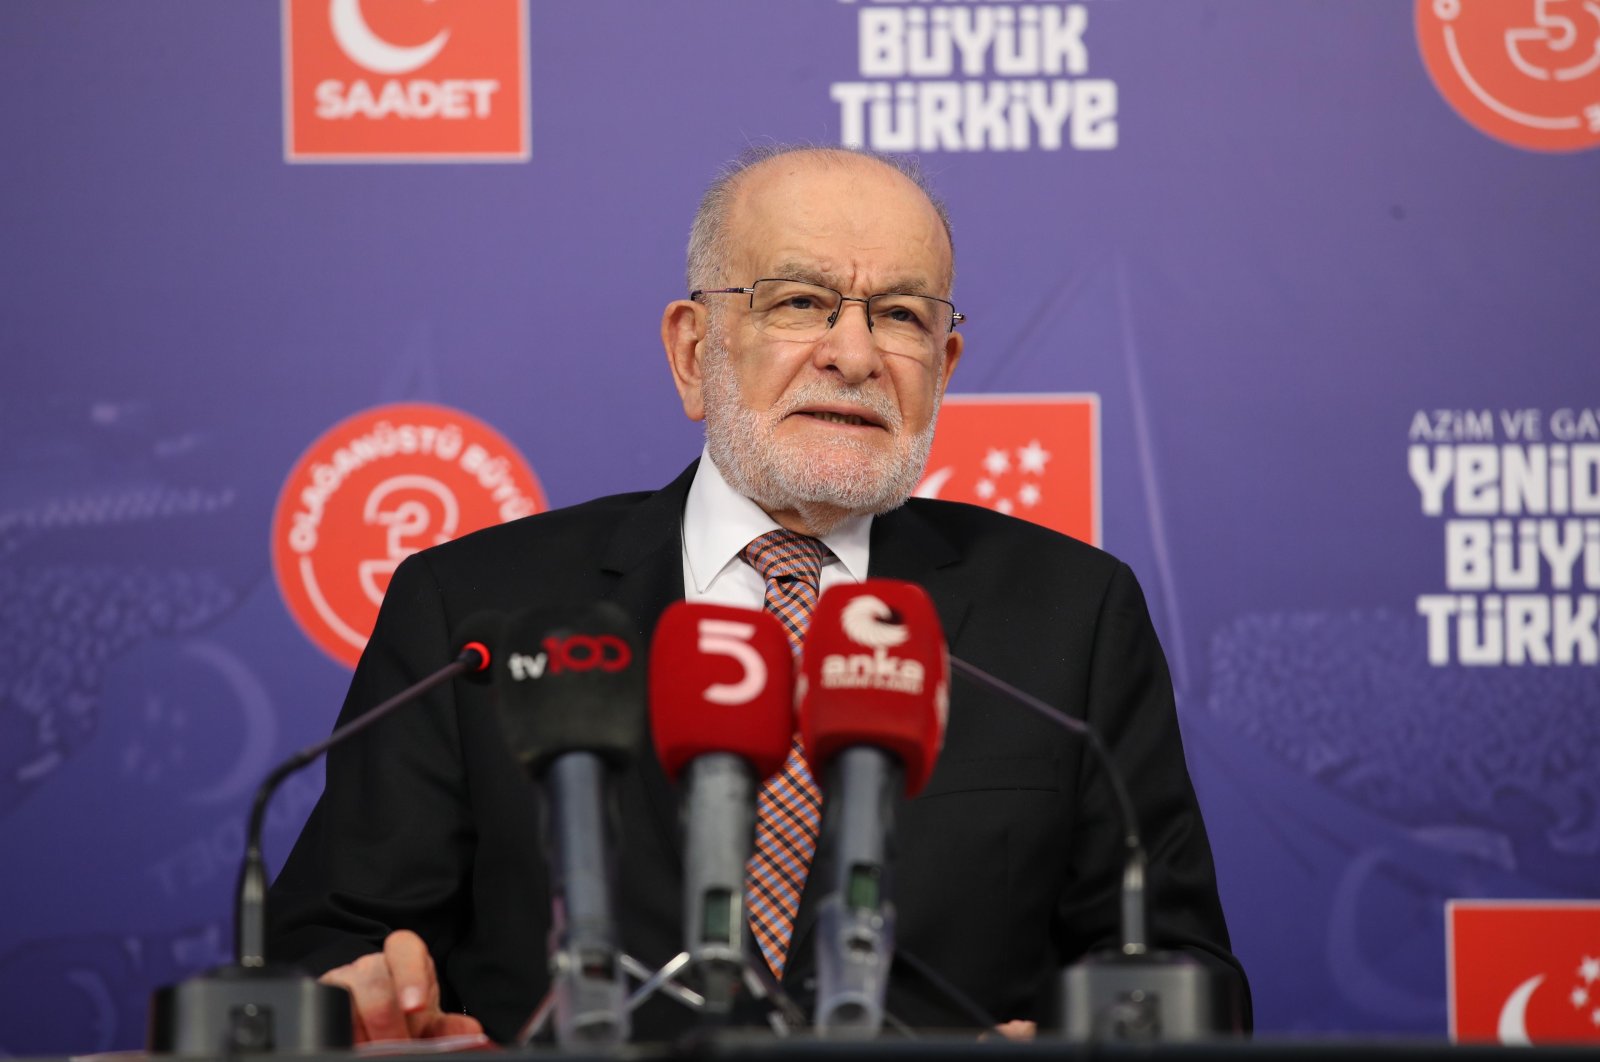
column 849, row 345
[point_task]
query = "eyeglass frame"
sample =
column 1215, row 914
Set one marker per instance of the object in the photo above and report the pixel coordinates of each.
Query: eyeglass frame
column 956, row 316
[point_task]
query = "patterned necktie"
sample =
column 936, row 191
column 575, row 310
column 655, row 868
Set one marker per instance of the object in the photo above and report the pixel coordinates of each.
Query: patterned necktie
column 789, row 809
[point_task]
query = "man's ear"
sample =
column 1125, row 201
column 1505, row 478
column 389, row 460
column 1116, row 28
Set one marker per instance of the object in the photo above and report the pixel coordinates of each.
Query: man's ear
column 683, row 330
column 952, row 354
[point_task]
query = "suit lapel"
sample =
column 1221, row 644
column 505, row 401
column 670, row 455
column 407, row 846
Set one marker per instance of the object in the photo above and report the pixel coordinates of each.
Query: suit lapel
column 904, row 546
column 645, row 560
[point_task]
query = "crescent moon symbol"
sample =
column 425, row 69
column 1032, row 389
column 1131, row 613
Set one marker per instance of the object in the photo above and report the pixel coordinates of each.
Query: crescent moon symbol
column 367, row 49
column 931, row 486
column 260, row 724
column 1513, row 1028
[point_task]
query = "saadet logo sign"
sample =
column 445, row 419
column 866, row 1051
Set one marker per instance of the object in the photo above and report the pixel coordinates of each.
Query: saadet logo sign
column 1524, row 71
column 405, row 80
column 1036, row 457
column 374, row 489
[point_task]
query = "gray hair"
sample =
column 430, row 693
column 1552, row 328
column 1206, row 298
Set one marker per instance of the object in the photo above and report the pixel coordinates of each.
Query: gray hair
column 708, row 236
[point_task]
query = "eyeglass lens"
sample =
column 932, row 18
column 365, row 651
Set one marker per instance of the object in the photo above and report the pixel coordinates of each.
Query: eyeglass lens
column 906, row 324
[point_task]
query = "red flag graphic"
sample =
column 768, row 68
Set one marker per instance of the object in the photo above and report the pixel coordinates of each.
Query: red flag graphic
column 1032, row 456
column 1524, row 972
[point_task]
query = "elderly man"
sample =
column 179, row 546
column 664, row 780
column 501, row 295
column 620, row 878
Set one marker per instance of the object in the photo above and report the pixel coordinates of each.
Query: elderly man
column 816, row 345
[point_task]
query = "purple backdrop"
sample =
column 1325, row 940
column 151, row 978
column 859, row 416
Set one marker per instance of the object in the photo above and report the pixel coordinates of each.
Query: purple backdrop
column 1268, row 245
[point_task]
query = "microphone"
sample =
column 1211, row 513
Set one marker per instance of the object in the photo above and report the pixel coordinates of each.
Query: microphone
column 874, row 693
column 1132, row 994
column 253, row 1007
column 571, row 695
column 722, row 715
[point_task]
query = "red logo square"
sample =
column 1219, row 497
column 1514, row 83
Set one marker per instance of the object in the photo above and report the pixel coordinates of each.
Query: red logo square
column 405, row 80
column 1524, row 972
column 1032, row 456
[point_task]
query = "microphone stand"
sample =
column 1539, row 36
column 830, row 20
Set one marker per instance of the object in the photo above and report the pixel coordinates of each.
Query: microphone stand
column 250, row 1007
column 784, row 1016
column 1131, row 994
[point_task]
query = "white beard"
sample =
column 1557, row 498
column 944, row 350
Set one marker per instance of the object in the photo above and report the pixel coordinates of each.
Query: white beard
column 824, row 485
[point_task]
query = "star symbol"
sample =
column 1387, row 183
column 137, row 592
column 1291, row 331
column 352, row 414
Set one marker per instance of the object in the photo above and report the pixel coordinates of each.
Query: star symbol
column 1593, row 113
column 1594, row 1016
column 996, row 463
column 1032, row 457
column 1589, row 970
column 985, row 489
column 1004, row 505
column 1580, row 996
column 1029, row 493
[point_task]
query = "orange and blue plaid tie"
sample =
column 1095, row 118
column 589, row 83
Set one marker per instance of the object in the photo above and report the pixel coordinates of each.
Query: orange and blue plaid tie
column 789, row 809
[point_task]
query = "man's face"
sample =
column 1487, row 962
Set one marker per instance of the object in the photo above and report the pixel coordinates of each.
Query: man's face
column 836, row 426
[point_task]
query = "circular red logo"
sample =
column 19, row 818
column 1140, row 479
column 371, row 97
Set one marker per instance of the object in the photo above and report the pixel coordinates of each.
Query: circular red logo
column 374, row 489
column 1524, row 71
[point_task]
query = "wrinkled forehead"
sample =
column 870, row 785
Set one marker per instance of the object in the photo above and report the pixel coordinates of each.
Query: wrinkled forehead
column 849, row 221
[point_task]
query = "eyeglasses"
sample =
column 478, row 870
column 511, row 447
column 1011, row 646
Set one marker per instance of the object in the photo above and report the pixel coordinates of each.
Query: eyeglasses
column 911, row 325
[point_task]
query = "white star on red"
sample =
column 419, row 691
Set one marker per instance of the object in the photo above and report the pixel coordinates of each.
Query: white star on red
column 1589, row 970
column 1594, row 1016
column 996, row 463
column 985, row 489
column 1004, row 505
column 1031, row 458
column 1579, row 997
column 1029, row 494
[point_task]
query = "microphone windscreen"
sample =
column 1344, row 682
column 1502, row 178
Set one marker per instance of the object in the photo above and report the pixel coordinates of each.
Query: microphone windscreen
column 875, row 672
column 481, row 631
column 721, row 680
column 571, row 680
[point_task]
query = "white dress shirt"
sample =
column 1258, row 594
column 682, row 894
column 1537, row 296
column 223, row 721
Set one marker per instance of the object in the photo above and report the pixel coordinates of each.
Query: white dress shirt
column 718, row 522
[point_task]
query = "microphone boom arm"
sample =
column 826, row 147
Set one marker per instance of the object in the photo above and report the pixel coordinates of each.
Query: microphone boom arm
column 1133, row 874
column 249, row 921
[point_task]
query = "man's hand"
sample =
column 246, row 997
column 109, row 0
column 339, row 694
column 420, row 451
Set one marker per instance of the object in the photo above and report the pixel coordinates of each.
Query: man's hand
column 394, row 993
column 1017, row 1030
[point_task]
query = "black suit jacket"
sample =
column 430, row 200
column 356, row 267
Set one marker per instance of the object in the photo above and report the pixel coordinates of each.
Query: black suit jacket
column 1007, row 865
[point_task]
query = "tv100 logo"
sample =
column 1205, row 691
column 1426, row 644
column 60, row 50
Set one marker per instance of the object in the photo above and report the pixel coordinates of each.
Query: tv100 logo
column 405, row 80
column 574, row 652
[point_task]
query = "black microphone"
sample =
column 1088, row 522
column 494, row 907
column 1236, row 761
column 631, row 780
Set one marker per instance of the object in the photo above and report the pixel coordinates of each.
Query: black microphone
column 250, row 1006
column 571, row 693
column 1130, row 994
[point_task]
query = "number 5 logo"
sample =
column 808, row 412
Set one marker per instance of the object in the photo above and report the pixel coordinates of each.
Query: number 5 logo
column 731, row 638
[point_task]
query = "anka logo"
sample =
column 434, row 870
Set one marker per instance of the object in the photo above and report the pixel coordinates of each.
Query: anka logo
column 405, row 80
column 870, row 622
column 1526, row 72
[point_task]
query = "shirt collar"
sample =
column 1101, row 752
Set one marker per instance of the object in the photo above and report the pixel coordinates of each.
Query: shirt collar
column 718, row 522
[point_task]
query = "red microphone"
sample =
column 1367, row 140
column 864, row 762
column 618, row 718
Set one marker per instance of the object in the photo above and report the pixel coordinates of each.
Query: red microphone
column 876, row 672
column 721, row 712
column 874, row 693
column 721, row 681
